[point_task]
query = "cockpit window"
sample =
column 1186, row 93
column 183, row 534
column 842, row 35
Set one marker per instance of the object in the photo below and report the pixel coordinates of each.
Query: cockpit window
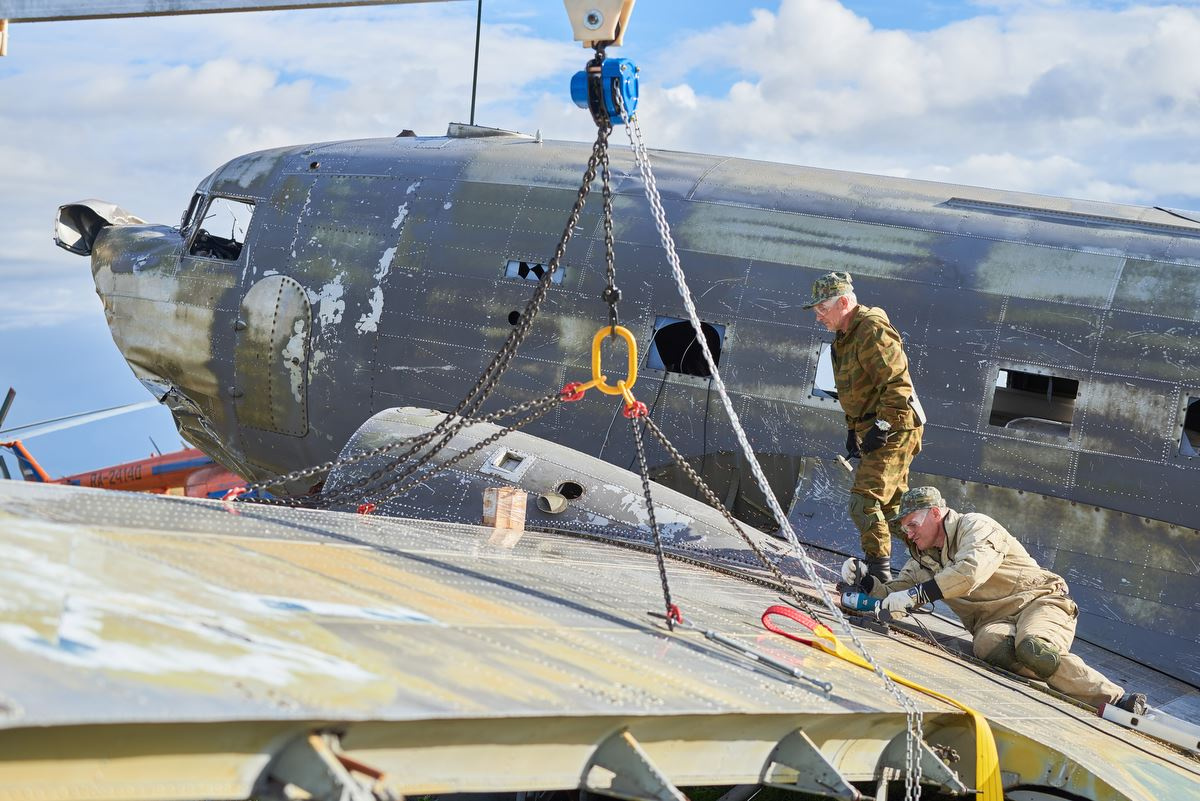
column 222, row 231
column 189, row 216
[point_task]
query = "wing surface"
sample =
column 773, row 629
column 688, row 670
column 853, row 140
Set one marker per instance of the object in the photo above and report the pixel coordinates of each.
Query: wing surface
column 165, row 647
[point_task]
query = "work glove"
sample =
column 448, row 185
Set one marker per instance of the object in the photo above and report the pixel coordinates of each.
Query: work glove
column 852, row 451
column 901, row 601
column 856, row 576
column 853, row 571
column 876, row 437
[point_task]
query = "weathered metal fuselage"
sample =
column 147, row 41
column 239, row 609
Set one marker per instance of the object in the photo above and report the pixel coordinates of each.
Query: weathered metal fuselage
column 377, row 274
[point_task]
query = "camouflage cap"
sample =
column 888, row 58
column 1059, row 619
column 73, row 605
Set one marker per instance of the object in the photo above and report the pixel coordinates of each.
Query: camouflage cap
column 919, row 498
column 829, row 286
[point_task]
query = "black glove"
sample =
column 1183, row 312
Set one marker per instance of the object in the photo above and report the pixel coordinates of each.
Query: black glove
column 876, row 437
column 852, row 451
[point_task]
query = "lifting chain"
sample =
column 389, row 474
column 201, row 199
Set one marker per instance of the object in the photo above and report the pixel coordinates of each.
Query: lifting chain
column 715, row 503
column 393, row 488
column 673, row 615
column 611, row 294
column 915, row 724
column 462, row 415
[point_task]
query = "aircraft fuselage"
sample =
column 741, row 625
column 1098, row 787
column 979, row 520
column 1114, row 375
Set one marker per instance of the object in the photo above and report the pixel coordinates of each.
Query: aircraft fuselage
column 1053, row 342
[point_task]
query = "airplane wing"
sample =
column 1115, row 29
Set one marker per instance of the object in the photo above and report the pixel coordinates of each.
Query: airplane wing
column 164, row 647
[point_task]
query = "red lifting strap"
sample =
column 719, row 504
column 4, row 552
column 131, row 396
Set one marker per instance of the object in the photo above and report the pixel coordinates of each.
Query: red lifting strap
column 793, row 614
column 366, row 508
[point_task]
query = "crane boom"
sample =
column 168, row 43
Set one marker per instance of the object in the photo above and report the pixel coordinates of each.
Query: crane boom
column 62, row 10
column 59, row 10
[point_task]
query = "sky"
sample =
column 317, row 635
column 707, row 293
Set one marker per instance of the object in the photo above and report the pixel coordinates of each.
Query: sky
column 1096, row 99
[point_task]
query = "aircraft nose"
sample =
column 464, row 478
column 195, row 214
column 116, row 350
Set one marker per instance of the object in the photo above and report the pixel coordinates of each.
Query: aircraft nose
column 118, row 242
column 134, row 250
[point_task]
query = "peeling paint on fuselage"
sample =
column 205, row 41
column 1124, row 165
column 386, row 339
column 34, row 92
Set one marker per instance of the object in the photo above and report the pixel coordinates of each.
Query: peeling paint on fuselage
column 293, row 359
column 328, row 301
column 370, row 320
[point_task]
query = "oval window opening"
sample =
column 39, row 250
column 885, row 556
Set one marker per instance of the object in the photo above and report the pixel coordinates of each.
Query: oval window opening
column 569, row 490
column 676, row 349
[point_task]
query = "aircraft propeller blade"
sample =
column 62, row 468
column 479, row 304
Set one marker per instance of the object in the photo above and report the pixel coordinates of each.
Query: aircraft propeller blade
column 72, row 420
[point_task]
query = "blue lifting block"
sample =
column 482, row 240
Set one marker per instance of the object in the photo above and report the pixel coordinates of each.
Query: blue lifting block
column 618, row 78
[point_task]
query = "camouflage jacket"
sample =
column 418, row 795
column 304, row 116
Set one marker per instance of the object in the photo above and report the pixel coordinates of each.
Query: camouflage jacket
column 982, row 571
column 870, row 372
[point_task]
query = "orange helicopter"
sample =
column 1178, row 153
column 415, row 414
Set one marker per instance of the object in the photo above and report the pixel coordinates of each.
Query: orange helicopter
column 187, row 472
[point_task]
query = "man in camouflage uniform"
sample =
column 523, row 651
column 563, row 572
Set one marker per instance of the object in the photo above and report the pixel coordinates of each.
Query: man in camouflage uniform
column 1019, row 615
column 883, row 417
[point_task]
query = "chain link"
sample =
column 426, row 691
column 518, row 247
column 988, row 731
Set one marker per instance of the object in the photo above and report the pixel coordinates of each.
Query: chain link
column 462, row 414
column 658, row 546
column 715, row 503
column 358, row 488
column 912, row 779
column 611, row 294
column 389, row 489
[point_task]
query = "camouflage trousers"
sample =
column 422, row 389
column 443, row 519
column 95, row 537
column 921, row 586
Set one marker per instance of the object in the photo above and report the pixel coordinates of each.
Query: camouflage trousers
column 1051, row 618
column 881, row 478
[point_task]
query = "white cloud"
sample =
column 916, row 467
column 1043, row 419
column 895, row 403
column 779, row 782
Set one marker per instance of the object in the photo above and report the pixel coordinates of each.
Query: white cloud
column 138, row 111
column 1166, row 178
column 1101, row 101
column 1083, row 95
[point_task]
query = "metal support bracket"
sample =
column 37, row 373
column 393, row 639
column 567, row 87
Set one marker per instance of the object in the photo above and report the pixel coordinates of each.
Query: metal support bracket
column 886, row 776
column 620, row 768
column 314, row 765
column 594, row 21
column 813, row 772
column 933, row 769
column 1158, row 724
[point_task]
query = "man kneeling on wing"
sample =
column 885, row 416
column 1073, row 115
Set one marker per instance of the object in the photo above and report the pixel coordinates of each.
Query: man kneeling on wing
column 1019, row 615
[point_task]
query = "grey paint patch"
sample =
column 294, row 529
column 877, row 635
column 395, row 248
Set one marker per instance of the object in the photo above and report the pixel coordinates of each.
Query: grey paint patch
column 271, row 357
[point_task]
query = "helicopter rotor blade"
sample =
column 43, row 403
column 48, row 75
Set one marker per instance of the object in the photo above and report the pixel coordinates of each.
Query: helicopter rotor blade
column 70, row 421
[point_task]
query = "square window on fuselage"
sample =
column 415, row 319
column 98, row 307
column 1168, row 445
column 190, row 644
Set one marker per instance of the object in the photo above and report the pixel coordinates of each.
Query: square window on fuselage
column 1036, row 402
